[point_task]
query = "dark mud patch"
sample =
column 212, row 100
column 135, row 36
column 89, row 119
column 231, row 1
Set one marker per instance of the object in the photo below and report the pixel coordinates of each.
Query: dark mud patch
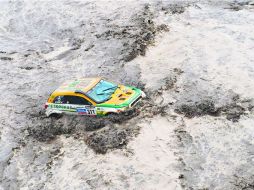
column 77, row 43
column 233, row 110
column 151, row 109
column 27, row 68
column 110, row 138
column 242, row 183
column 6, row 58
column 113, row 136
column 184, row 139
column 47, row 129
column 136, row 37
column 162, row 28
column 206, row 107
column 27, row 55
column 146, row 34
column 237, row 6
column 174, row 8
column 101, row 133
column 170, row 81
column 89, row 47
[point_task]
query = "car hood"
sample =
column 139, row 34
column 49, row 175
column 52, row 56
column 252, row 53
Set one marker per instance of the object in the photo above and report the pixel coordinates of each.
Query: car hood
column 122, row 97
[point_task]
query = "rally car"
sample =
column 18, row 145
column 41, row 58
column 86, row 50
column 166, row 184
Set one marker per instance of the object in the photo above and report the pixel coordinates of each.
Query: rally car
column 92, row 96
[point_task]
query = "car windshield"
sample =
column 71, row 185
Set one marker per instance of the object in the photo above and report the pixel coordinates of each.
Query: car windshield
column 102, row 91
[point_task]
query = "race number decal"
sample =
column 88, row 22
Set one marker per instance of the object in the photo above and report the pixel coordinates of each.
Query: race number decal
column 86, row 111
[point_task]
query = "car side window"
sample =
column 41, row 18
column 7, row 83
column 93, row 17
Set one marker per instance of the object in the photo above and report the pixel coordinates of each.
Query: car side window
column 76, row 100
column 59, row 100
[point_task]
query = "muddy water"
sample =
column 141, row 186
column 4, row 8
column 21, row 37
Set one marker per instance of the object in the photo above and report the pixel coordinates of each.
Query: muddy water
column 208, row 44
column 194, row 61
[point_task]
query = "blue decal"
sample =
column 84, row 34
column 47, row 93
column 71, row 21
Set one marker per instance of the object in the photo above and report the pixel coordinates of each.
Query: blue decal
column 82, row 110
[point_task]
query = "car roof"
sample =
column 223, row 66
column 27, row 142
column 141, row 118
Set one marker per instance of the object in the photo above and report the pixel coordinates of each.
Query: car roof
column 81, row 84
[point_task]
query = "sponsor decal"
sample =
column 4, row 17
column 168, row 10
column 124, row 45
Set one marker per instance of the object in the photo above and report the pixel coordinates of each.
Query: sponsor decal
column 59, row 106
column 85, row 111
column 82, row 111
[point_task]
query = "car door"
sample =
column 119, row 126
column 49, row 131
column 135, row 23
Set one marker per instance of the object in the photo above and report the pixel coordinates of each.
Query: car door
column 80, row 105
column 61, row 105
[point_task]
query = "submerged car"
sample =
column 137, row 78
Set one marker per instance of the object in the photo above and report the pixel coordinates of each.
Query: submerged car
column 92, row 96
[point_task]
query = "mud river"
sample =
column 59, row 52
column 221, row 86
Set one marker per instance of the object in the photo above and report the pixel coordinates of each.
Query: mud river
column 193, row 59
